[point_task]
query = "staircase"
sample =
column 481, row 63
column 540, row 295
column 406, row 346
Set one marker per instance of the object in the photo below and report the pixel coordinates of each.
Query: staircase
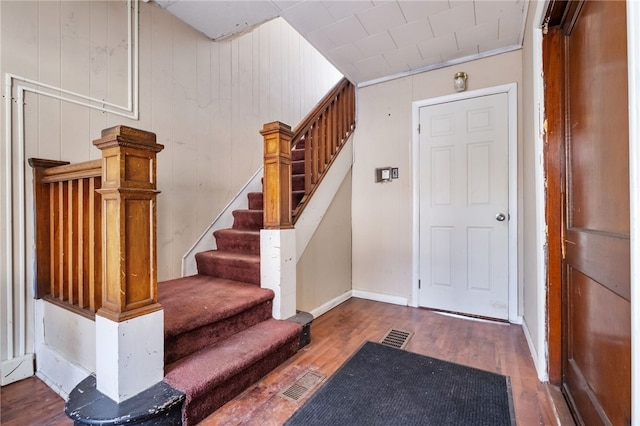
column 219, row 333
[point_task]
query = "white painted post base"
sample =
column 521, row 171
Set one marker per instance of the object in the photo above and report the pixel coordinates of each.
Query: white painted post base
column 16, row 369
column 129, row 355
column 278, row 269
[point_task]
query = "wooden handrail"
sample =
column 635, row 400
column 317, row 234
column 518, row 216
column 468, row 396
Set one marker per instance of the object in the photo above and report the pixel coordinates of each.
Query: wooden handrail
column 95, row 228
column 323, row 132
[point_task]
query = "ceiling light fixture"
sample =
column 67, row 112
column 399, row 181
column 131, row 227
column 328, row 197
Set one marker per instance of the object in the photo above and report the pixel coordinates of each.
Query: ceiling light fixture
column 460, row 81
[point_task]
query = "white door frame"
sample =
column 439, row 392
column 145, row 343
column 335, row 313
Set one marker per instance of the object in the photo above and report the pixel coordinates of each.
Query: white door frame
column 511, row 90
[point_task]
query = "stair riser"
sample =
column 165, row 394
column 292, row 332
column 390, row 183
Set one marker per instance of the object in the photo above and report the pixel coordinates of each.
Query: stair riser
column 236, row 270
column 196, row 410
column 297, row 183
column 248, row 219
column 179, row 346
column 255, row 201
column 297, row 167
column 237, row 245
column 297, row 154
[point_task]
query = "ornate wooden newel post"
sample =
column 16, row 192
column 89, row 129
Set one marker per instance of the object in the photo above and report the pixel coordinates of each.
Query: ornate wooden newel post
column 129, row 325
column 278, row 239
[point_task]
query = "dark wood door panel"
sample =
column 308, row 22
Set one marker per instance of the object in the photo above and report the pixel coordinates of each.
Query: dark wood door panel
column 598, row 131
column 603, row 257
column 596, row 286
column 598, row 351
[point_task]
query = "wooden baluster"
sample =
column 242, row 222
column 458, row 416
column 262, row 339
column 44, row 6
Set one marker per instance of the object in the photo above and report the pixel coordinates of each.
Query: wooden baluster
column 307, row 164
column 129, row 278
column 277, row 175
column 322, row 142
column 315, row 154
column 95, row 244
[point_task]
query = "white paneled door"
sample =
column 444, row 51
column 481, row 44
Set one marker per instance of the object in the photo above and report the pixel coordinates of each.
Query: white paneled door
column 464, row 199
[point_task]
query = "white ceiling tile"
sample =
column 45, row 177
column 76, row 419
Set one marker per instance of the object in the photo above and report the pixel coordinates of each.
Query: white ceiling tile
column 343, row 9
column 345, row 53
column 346, row 31
column 319, row 40
column 501, row 45
column 382, row 17
column 490, row 10
column 375, row 44
column 460, row 53
column 438, row 46
column 418, row 10
column 473, row 36
column 307, row 16
column 453, row 19
column 511, row 25
column 285, row 4
column 407, row 55
column 374, row 64
column 411, row 33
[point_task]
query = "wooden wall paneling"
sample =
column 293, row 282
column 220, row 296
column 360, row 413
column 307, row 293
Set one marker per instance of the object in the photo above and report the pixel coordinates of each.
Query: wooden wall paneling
column 117, row 71
column 246, row 123
column 48, row 117
column 184, row 138
column 99, row 61
column 204, row 132
column 276, row 65
column 222, row 143
column 161, row 111
column 75, row 69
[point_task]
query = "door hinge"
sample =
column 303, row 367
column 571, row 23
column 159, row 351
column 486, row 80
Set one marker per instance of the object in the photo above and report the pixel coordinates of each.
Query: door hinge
column 418, row 128
column 419, row 284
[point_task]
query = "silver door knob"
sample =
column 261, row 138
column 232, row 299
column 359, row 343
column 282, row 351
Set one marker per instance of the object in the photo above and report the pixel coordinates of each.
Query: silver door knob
column 500, row 217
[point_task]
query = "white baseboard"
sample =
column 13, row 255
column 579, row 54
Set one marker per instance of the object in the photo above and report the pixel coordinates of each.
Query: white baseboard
column 17, row 369
column 543, row 376
column 326, row 307
column 57, row 372
column 381, row 297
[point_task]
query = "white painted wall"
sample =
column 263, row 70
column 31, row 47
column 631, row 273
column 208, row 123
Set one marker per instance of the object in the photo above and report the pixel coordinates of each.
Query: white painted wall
column 206, row 102
column 324, row 269
column 382, row 213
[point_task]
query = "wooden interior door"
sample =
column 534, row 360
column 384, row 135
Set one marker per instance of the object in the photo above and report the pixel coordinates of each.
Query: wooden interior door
column 596, row 360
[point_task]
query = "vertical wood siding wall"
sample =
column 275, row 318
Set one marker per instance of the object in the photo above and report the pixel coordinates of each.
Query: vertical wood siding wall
column 205, row 100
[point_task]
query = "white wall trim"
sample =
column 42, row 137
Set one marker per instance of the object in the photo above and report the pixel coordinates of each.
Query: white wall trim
column 511, row 89
column 542, row 374
column 60, row 374
column 633, row 58
column 540, row 357
column 326, row 307
column 380, row 297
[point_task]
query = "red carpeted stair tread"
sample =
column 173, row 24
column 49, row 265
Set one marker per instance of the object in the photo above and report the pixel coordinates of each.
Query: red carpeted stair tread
column 248, row 219
column 194, row 301
column 255, row 200
column 232, row 266
column 238, row 240
column 297, row 154
column 217, row 373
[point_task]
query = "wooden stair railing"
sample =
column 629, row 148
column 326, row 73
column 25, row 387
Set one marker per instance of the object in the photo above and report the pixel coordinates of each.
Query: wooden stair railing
column 95, row 232
column 323, row 131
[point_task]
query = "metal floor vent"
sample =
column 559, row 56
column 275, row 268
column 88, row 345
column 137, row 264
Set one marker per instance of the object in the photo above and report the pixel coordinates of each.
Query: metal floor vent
column 302, row 386
column 396, row 338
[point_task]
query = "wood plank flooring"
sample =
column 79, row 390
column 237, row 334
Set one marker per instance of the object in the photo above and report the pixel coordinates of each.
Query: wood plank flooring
column 496, row 347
